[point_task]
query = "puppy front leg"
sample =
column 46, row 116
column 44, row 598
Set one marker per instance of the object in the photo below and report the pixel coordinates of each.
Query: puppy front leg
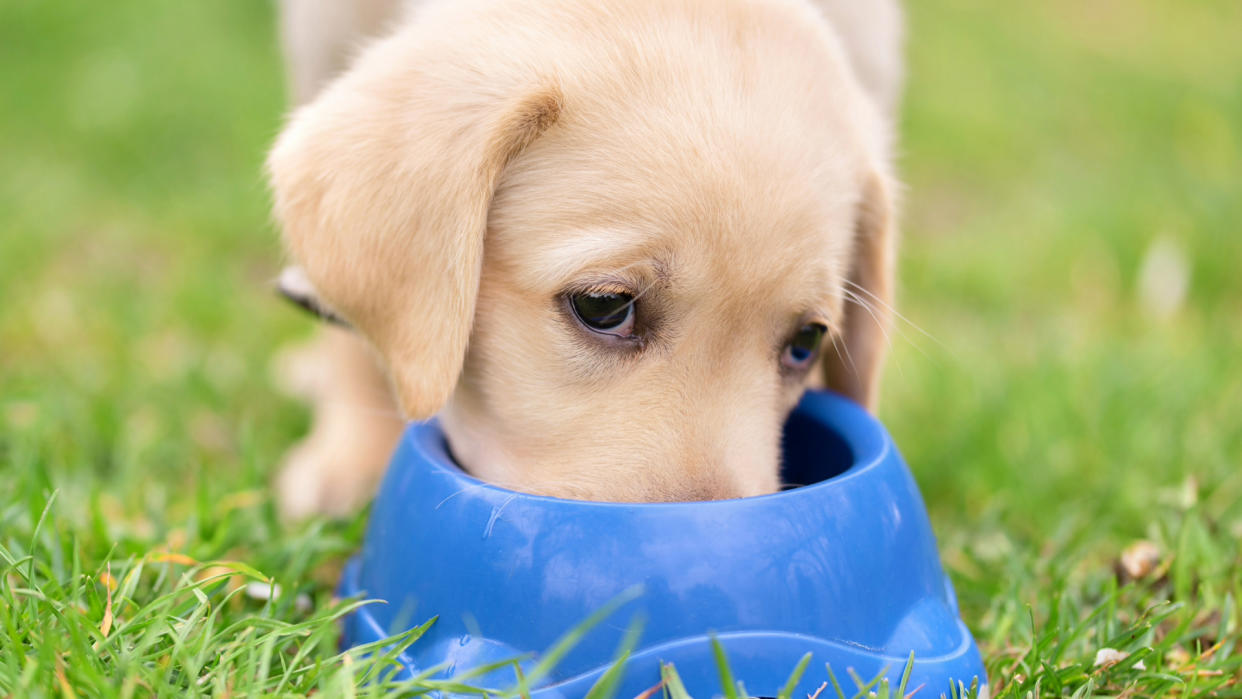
column 336, row 469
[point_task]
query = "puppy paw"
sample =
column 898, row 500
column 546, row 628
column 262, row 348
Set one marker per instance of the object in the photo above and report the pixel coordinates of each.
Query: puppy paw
column 318, row 480
column 336, row 469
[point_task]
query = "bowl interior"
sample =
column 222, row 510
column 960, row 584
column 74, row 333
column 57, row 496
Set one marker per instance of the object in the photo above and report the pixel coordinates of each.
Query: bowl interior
column 813, row 451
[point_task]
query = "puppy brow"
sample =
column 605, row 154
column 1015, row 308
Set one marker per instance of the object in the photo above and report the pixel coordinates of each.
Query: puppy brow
column 606, row 253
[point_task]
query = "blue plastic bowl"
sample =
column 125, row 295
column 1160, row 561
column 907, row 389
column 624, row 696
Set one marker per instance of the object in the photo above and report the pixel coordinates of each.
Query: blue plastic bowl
column 845, row 568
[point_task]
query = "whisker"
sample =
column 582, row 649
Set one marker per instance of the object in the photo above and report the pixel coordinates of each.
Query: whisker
column 879, row 323
column 883, row 327
column 641, row 292
column 896, row 326
column 839, row 347
column 630, row 304
column 896, row 314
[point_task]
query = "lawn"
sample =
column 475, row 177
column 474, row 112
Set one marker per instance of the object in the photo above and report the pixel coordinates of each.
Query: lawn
column 1068, row 381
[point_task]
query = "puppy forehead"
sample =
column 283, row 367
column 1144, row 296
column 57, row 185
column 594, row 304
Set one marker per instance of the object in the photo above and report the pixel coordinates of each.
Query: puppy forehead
column 718, row 146
column 782, row 224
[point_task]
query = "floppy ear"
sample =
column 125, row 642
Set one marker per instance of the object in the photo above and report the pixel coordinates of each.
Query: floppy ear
column 854, row 367
column 382, row 188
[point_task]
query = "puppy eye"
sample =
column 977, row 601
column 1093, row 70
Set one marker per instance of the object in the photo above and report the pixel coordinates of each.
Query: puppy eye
column 803, row 347
column 610, row 313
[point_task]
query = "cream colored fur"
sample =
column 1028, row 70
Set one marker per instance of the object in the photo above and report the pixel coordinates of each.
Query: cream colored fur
column 725, row 160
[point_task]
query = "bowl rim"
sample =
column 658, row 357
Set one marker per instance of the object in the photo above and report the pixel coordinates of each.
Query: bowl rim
column 868, row 441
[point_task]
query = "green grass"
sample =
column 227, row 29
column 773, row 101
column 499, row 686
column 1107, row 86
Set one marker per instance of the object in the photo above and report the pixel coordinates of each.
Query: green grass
column 1051, row 415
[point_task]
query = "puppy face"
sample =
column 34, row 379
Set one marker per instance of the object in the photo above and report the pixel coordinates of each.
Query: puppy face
column 613, row 257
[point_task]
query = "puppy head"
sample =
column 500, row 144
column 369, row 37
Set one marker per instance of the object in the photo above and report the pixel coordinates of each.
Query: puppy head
column 612, row 257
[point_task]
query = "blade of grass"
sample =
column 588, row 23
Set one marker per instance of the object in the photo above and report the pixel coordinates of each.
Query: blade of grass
column 722, row 667
column 795, row 677
column 673, row 686
column 566, row 643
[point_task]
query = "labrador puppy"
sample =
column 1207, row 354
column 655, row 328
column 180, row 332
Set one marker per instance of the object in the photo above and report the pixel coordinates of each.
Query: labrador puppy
column 608, row 242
